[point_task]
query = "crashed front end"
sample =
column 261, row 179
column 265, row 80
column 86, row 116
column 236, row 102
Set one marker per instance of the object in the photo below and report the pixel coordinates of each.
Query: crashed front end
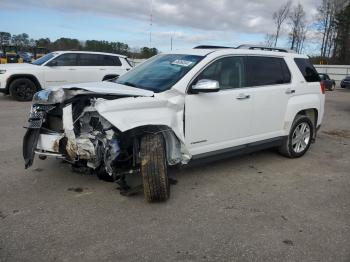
column 68, row 124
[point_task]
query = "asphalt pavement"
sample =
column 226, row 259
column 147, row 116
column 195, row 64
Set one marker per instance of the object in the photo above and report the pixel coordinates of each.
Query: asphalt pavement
column 257, row 207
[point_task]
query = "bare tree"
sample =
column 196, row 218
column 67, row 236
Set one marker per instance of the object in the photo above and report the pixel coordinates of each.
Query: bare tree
column 269, row 40
column 298, row 27
column 279, row 18
column 326, row 23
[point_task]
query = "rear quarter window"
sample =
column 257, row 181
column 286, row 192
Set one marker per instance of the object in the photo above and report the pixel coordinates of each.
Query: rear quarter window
column 307, row 69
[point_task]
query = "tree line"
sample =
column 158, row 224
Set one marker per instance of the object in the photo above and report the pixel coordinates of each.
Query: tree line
column 24, row 43
column 331, row 27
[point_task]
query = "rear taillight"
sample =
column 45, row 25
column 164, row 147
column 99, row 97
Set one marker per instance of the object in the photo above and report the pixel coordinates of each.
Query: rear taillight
column 323, row 87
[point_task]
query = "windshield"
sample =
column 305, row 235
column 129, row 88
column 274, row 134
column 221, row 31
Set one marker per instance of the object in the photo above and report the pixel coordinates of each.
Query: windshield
column 43, row 59
column 159, row 73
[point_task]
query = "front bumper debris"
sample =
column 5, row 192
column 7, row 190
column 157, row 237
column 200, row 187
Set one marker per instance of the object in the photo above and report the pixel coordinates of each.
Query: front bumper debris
column 36, row 119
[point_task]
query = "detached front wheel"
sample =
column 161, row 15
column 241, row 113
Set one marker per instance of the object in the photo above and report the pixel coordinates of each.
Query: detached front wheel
column 154, row 168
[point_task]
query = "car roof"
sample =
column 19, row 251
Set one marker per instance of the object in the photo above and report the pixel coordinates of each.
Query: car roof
column 226, row 51
column 87, row 52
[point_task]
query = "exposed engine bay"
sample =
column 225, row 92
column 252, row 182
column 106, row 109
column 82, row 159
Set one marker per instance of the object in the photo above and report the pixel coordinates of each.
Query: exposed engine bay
column 71, row 129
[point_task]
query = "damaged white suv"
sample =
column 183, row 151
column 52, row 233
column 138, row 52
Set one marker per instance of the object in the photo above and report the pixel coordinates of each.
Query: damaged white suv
column 179, row 107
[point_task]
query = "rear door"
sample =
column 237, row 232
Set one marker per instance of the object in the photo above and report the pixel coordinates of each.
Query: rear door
column 96, row 67
column 221, row 120
column 269, row 81
column 90, row 67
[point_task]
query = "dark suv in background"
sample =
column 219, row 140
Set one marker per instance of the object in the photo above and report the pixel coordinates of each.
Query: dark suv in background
column 328, row 82
column 345, row 83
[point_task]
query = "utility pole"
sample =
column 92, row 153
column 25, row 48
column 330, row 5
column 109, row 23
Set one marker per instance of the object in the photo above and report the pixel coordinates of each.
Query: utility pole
column 171, row 42
column 151, row 24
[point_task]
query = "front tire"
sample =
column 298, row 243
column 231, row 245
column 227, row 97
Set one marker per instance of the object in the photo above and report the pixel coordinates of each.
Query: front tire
column 299, row 138
column 156, row 185
column 22, row 89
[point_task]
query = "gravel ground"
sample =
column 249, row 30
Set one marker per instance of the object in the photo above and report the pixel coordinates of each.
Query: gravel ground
column 258, row 207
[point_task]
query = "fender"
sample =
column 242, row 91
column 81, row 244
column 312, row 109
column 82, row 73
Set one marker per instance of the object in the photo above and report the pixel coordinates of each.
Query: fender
column 29, row 76
column 129, row 113
column 300, row 103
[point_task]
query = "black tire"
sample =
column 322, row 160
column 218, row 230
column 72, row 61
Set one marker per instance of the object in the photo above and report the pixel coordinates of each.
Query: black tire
column 156, row 185
column 332, row 87
column 288, row 149
column 22, row 89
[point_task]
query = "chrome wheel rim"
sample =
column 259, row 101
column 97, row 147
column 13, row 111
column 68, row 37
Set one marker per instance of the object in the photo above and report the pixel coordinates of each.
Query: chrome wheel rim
column 301, row 137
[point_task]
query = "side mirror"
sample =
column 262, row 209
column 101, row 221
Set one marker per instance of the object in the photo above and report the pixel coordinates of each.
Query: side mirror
column 206, row 86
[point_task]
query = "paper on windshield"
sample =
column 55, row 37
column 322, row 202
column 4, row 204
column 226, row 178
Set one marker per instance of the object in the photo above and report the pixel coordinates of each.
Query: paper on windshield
column 180, row 62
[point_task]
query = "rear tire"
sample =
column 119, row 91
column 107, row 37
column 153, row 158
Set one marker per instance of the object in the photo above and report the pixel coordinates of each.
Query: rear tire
column 332, row 88
column 156, row 185
column 22, row 89
column 299, row 138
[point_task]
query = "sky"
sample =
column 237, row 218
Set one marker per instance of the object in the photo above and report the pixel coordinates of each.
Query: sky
column 187, row 22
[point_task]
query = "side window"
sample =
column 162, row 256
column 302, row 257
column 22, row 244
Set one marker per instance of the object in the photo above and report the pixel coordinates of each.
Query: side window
column 266, row 71
column 88, row 60
column 108, row 60
column 307, row 69
column 98, row 60
column 228, row 71
column 65, row 60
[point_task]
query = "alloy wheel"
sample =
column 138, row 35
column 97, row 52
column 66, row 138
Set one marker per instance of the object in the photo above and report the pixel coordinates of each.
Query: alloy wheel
column 301, row 137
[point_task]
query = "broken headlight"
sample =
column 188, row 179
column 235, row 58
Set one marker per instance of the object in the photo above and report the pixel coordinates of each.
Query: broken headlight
column 49, row 96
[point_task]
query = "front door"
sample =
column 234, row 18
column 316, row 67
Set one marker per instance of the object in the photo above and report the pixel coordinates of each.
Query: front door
column 62, row 70
column 221, row 120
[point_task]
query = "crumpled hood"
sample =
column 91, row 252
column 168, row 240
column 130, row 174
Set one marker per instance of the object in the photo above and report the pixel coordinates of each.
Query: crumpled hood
column 106, row 87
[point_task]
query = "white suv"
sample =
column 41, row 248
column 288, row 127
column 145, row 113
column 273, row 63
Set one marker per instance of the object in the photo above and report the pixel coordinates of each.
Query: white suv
column 180, row 107
column 58, row 68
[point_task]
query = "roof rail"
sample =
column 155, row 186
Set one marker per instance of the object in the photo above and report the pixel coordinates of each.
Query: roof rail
column 265, row 48
column 211, row 47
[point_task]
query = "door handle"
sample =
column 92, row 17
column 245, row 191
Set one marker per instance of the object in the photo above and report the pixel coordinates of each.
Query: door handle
column 242, row 97
column 290, row 91
column 72, row 69
column 102, row 69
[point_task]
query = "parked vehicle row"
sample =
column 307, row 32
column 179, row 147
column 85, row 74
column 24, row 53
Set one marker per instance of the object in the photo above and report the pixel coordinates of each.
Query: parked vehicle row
column 174, row 109
column 22, row 81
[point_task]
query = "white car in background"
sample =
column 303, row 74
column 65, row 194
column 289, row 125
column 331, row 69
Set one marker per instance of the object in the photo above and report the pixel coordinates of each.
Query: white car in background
column 22, row 81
